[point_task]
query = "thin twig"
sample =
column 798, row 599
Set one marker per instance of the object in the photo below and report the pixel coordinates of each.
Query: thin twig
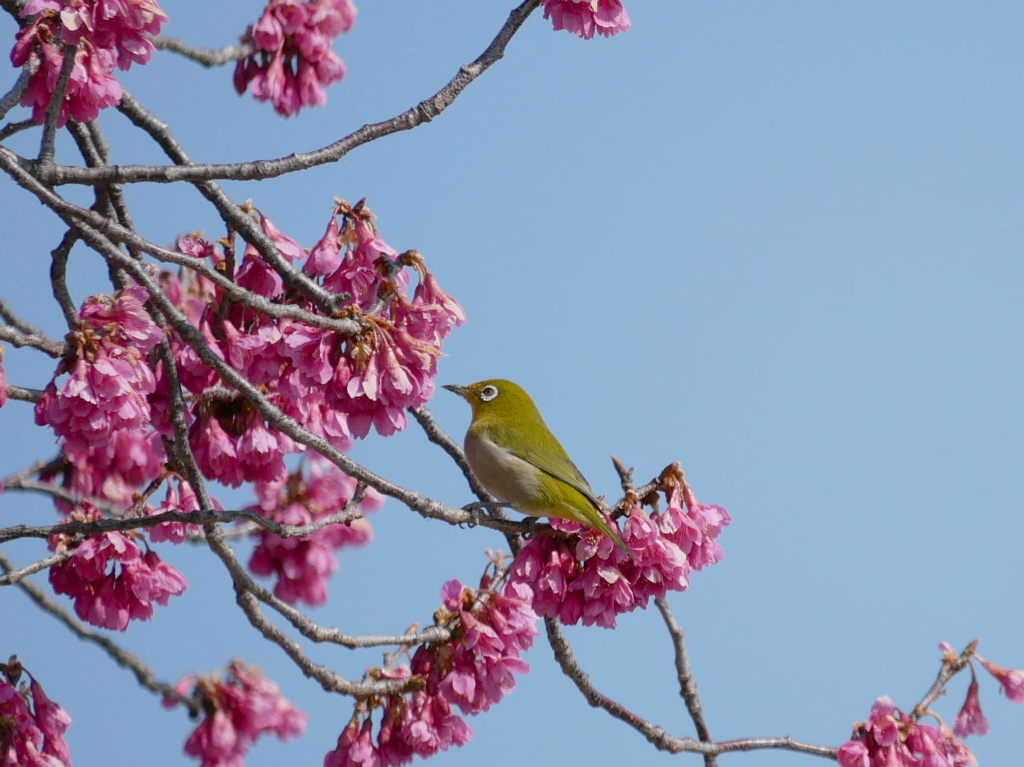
column 655, row 735
column 439, row 437
column 207, row 57
column 947, row 671
column 58, row 278
column 143, row 673
column 424, row 111
column 16, row 127
column 13, row 576
column 684, row 672
column 48, row 144
column 18, row 323
column 23, row 394
column 13, row 96
column 43, row 343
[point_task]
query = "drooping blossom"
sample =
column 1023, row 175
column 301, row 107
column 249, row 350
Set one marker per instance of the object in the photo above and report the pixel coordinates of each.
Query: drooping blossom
column 302, row 565
column 292, row 60
column 240, row 707
column 106, row 35
column 109, row 378
column 971, row 720
column 892, row 738
column 1012, row 680
column 582, row 576
column 337, row 385
column 32, row 726
column 588, row 17
column 490, row 629
column 179, row 496
column 111, row 579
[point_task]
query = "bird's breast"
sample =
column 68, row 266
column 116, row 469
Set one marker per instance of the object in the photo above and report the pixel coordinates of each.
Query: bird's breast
column 507, row 477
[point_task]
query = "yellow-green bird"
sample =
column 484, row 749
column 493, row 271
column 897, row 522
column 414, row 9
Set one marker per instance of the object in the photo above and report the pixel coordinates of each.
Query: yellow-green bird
column 521, row 463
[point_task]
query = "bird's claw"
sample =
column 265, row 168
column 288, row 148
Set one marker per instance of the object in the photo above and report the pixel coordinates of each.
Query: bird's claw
column 476, row 508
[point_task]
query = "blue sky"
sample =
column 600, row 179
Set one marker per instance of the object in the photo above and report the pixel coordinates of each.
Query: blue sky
column 780, row 243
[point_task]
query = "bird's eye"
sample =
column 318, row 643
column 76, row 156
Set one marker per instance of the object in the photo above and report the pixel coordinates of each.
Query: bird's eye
column 488, row 393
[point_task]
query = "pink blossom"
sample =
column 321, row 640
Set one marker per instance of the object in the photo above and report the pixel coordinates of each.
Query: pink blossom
column 123, row 318
column 303, row 564
column 179, row 497
column 33, row 726
column 584, row 577
column 110, row 578
column 970, row 720
column 108, row 34
column 587, row 17
column 891, row 738
column 293, row 60
column 240, row 708
column 355, row 747
column 1011, row 680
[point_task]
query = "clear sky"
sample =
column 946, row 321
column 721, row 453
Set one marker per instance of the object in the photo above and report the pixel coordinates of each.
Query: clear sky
column 778, row 242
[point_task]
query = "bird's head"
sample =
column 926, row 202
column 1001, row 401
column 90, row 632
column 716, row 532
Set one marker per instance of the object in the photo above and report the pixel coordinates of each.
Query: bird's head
column 496, row 399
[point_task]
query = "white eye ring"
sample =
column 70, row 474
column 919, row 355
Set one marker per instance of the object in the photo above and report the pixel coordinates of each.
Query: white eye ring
column 488, row 393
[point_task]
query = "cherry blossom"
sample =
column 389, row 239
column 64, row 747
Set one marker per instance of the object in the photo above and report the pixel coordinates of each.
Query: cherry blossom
column 583, row 576
column 587, row 17
column 303, row 564
column 240, row 707
column 971, row 720
column 32, row 726
column 293, row 61
column 105, row 35
column 1012, row 680
column 112, row 580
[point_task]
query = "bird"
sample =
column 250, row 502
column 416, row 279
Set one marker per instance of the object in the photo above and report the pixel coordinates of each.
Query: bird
column 513, row 453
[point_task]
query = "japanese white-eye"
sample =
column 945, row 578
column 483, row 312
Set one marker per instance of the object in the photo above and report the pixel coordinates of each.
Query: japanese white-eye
column 515, row 456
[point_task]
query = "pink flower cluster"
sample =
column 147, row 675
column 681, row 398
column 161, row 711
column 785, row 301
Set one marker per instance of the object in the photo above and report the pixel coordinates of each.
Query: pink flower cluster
column 303, row 564
column 179, row 496
column 32, row 726
column 108, row 34
column 584, row 577
column 336, row 386
column 101, row 411
column 474, row 670
column 240, row 708
column 110, row 578
column 588, row 17
column 293, row 60
column 891, row 738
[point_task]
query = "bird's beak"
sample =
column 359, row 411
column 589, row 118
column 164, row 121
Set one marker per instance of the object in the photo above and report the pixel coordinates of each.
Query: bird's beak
column 462, row 391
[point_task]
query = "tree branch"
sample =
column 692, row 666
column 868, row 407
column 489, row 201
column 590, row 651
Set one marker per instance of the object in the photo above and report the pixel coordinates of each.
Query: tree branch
column 48, row 144
column 425, row 111
column 44, row 344
column 143, row 673
column 207, row 57
column 687, row 684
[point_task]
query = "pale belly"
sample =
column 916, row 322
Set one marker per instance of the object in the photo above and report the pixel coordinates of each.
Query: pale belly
column 508, row 478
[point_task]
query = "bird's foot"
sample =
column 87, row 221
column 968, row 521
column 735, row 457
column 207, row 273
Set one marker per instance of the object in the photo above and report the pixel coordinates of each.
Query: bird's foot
column 477, row 508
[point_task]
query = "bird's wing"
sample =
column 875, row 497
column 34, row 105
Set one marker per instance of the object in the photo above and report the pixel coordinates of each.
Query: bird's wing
column 547, row 454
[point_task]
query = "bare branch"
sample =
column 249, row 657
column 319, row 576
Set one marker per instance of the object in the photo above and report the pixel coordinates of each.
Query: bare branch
column 10, row 99
column 654, row 734
column 439, row 437
column 13, row 576
column 143, row 673
column 687, row 684
column 25, row 395
column 425, row 111
column 58, row 278
column 207, row 57
column 42, row 343
column 7, row 315
column 947, row 671
column 48, row 143
column 16, row 127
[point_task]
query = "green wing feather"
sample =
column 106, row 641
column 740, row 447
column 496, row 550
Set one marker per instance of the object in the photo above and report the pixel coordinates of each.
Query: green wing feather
column 546, row 453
